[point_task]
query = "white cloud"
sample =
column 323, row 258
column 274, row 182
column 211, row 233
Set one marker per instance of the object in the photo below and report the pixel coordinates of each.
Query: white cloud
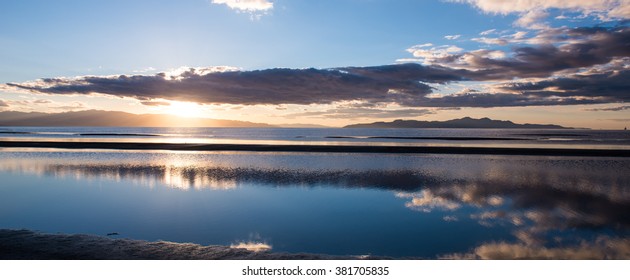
column 621, row 11
column 533, row 11
column 430, row 54
column 181, row 72
column 533, row 20
column 487, row 32
column 247, row 5
column 423, row 45
column 519, row 35
column 491, row 41
column 452, row 37
column 523, row 6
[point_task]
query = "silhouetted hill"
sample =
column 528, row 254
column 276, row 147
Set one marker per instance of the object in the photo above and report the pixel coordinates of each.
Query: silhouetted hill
column 113, row 118
column 457, row 123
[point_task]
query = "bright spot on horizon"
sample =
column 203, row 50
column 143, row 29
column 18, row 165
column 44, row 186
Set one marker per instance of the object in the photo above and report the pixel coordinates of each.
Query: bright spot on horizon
column 185, row 109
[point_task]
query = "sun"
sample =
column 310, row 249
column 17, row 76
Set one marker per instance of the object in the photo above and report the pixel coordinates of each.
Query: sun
column 185, row 109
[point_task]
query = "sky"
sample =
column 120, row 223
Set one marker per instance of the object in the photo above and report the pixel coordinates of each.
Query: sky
column 327, row 62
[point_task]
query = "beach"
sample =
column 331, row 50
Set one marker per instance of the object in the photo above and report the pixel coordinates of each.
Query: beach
column 30, row 245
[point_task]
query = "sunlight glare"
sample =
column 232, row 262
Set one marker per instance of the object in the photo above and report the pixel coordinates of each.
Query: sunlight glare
column 185, row 109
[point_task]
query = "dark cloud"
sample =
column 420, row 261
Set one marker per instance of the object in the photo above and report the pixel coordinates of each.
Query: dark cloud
column 272, row 86
column 487, row 100
column 571, row 56
column 613, row 86
column 555, row 50
column 403, row 84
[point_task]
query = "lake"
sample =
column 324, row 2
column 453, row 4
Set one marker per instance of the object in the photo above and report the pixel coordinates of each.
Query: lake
column 394, row 205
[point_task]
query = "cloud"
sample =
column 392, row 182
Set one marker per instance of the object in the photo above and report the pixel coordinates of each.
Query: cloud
column 430, row 54
column 613, row 109
column 389, row 83
column 558, row 66
column 452, row 37
column 492, row 41
column 532, row 12
column 76, row 105
column 402, row 84
column 533, row 19
column 360, row 112
column 487, row 32
column 246, row 5
column 30, row 105
column 559, row 49
column 612, row 86
column 516, row 38
column 155, row 103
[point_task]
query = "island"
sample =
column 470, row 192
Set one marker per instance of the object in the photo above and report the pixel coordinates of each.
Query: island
column 466, row 122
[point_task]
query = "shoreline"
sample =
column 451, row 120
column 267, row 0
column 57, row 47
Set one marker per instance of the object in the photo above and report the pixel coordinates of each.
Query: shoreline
column 24, row 244
column 320, row 148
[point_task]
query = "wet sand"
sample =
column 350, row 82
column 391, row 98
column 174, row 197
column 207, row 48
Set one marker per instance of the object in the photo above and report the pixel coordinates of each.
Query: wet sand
column 29, row 245
column 321, row 148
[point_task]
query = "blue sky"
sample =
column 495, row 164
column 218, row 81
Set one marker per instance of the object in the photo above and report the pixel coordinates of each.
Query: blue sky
column 74, row 39
column 66, row 38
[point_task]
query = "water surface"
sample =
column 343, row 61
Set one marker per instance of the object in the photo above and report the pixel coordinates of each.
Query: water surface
column 421, row 206
column 531, row 138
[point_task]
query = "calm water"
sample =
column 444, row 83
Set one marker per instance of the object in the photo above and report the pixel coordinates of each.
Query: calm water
column 598, row 139
column 425, row 206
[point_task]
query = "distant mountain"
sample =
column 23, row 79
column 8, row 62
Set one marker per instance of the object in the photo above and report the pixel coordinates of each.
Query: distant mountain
column 301, row 125
column 457, row 123
column 113, row 118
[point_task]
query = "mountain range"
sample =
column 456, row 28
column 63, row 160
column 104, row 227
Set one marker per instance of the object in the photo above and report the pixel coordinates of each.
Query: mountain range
column 112, row 118
column 466, row 122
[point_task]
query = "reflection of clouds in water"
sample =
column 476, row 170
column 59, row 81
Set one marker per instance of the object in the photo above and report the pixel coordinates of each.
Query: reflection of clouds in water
column 548, row 221
column 547, row 203
column 426, row 201
column 602, row 248
column 552, row 212
column 447, row 199
column 450, row 218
